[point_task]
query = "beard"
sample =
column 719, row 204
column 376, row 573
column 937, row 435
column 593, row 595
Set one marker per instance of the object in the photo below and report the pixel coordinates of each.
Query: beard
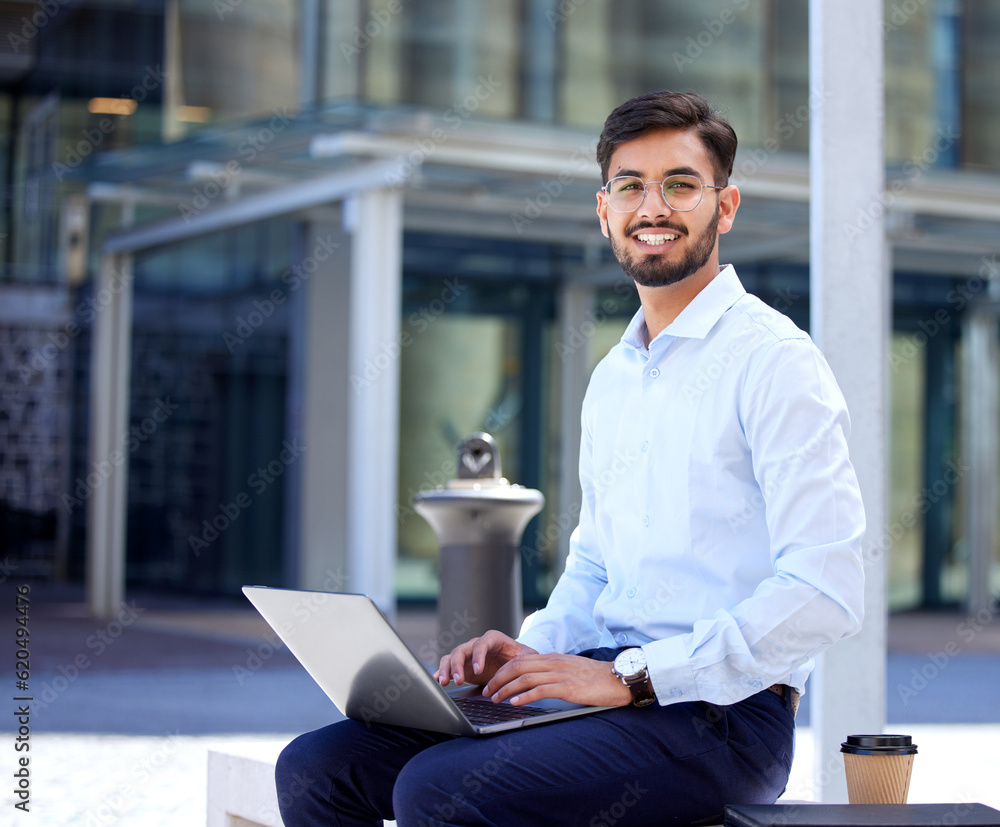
column 655, row 270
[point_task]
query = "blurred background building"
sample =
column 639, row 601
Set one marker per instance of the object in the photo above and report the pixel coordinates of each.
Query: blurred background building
column 327, row 240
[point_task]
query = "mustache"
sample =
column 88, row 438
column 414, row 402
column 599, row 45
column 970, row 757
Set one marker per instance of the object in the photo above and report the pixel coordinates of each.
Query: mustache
column 649, row 225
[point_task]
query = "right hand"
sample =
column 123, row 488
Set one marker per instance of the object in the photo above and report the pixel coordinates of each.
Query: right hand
column 476, row 661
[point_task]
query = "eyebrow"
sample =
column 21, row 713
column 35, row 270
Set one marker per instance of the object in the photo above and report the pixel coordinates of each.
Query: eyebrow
column 675, row 171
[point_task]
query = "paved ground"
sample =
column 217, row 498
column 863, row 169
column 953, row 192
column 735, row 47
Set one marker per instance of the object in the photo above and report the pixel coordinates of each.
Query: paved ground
column 123, row 711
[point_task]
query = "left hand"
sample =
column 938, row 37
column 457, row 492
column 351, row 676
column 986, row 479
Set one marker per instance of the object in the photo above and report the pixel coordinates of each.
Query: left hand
column 529, row 678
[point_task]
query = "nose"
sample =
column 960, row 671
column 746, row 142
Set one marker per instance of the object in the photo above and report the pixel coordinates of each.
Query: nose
column 654, row 203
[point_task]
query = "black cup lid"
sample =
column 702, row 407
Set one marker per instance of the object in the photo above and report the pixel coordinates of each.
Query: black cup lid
column 879, row 745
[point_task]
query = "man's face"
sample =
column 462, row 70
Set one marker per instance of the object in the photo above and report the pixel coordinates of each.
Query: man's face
column 655, row 245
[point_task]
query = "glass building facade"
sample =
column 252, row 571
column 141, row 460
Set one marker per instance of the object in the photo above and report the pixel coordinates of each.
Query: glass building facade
column 128, row 93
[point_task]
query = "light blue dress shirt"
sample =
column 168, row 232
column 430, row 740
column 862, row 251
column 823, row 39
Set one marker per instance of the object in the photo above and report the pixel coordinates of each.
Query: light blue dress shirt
column 721, row 521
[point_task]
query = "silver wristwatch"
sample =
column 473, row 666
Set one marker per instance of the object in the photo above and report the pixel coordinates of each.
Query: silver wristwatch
column 630, row 666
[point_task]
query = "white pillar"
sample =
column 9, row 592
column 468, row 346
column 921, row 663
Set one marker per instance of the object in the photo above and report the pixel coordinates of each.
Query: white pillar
column 111, row 356
column 850, row 312
column 375, row 220
column 980, row 412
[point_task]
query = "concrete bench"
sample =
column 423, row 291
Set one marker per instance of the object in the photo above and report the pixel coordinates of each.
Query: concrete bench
column 240, row 791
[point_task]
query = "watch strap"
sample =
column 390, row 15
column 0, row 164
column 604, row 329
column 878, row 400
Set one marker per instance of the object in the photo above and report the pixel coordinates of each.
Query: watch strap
column 641, row 689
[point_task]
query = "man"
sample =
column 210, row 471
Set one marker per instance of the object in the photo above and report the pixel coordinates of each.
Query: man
column 718, row 550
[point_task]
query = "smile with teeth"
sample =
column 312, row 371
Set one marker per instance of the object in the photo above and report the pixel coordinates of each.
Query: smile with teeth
column 655, row 239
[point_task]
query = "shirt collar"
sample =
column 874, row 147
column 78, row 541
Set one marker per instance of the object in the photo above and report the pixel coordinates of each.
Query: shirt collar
column 699, row 317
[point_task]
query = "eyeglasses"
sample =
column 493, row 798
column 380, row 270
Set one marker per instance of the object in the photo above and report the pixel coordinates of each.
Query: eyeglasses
column 680, row 192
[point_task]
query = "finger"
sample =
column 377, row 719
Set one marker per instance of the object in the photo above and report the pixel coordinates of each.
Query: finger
column 528, row 689
column 460, row 661
column 481, row 650
column 443, row 673
column 517, row 669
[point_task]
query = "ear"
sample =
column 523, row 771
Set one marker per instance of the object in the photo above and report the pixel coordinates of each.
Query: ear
column 602, row 211
column 729, row 203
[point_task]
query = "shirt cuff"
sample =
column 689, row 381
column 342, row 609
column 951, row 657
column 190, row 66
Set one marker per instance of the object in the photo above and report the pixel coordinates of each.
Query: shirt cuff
column 670, row 670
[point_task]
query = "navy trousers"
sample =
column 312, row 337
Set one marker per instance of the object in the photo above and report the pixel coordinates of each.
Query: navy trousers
column 660, row 765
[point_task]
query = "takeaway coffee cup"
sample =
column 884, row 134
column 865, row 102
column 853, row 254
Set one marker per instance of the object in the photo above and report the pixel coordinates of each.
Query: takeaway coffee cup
column 878, row 768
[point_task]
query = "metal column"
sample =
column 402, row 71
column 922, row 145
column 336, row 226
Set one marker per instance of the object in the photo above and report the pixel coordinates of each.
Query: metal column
column 111, row 368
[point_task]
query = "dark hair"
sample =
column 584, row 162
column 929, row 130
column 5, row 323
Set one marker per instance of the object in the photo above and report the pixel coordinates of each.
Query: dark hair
column 682, row 110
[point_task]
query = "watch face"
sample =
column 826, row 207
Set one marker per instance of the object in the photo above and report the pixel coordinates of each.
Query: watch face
column 630, row 662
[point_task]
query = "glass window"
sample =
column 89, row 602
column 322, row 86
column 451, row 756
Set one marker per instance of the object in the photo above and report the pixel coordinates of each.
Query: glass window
column 980, row 91
column 613, row 51
column 910, row 82
column 227, row 60
column 448, row 54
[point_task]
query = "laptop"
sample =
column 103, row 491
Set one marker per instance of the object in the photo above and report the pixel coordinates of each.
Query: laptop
column 351, row 650
column 859, row 815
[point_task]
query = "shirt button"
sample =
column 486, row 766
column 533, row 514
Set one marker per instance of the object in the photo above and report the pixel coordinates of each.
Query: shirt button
column 644, row 446
column 622, row 639
column 645, row 521
column 631, row 592
column 676, row 693
column 654, row 372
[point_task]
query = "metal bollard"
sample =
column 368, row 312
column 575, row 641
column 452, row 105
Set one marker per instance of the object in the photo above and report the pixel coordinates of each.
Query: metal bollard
column 479, row 519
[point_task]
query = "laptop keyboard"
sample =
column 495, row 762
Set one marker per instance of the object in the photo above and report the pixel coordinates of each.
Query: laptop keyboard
column 483, row 712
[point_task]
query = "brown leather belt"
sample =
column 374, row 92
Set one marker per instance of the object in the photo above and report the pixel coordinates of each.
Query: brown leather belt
column 783, row 691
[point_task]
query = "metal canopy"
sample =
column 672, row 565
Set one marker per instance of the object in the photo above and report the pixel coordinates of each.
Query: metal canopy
column 501, row 179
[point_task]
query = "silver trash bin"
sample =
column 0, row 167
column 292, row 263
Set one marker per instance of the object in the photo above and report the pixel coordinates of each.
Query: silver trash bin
column 479, row 519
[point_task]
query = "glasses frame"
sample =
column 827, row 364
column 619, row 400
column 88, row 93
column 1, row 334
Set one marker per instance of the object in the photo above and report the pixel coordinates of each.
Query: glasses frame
column 645, row 192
